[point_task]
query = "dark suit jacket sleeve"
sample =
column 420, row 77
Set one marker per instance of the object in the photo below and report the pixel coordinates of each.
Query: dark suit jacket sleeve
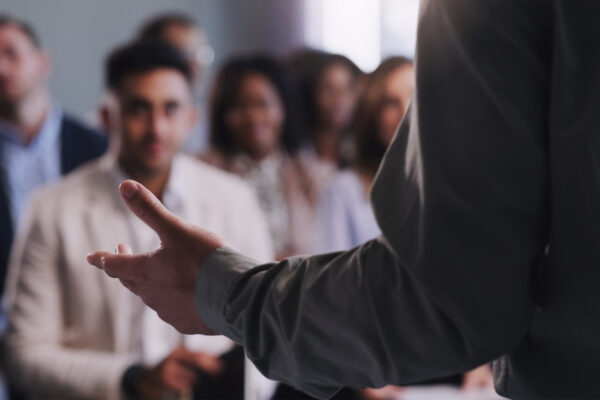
column 462, row 202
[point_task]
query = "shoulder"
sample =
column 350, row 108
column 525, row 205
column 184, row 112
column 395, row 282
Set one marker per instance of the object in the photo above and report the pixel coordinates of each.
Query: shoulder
column 79, row 143
column 214, row 157
column 77, row 132
column 70, row 124
column 69, row 187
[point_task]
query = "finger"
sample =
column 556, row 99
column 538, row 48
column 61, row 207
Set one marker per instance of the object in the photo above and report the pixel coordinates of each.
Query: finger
column 205, row 362
column 195, row 360
column 122, row 266
column 149, row 209
column 475, row 383
column 179, row 378
column 210, row 364
column 123, row 249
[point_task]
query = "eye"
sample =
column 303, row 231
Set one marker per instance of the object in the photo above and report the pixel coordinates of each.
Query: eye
column 137, row 108
column 172, row 108
column 10, row 53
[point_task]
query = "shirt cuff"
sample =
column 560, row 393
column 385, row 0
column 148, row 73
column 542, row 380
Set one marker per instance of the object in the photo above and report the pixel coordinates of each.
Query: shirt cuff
column 218, row 273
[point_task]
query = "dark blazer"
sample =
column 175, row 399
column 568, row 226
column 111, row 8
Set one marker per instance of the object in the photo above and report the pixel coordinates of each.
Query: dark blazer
column 78, row 144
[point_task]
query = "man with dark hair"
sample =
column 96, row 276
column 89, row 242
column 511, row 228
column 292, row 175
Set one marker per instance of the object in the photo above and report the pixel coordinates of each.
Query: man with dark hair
column 38, row 142
column 72, row 332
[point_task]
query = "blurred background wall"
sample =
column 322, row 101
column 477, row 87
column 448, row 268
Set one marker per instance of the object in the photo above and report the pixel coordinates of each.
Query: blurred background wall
column 79, row 33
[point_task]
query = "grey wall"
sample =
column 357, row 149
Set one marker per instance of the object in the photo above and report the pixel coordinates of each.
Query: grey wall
column 79, row 33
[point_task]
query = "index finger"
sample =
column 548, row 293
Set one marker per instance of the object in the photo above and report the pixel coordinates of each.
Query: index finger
column 149, row 209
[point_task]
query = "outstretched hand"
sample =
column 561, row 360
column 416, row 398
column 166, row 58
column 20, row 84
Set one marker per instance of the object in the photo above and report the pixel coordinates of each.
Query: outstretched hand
column 164, row 278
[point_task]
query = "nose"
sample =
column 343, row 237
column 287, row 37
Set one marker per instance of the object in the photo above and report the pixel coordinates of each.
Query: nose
column 158, row 125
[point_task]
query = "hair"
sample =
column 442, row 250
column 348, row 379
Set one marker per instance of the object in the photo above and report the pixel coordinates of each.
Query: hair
column 6, row 20
column 310, row 65
column 143, row 56
column 155, row 28
column 226, row 90
column 369, row 149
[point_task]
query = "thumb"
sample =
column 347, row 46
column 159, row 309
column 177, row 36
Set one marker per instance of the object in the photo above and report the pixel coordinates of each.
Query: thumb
column 149, row 209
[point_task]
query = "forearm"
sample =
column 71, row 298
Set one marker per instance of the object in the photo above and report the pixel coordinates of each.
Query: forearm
column 355, row 319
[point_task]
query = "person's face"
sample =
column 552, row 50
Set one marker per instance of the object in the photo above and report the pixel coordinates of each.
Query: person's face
column 193, row 43
column 256, row 116
column 335, row 96
column 398, row 89
column 23, row 67
column 152, row 115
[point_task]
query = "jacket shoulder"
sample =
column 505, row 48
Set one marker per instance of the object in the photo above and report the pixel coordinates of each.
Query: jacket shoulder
column 79, row 143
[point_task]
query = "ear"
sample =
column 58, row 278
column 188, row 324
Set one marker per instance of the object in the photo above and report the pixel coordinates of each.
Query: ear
column 108, row 113
column 104, row 114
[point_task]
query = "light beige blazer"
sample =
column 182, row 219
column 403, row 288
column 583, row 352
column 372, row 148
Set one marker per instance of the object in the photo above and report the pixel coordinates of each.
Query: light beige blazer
column 71, row 331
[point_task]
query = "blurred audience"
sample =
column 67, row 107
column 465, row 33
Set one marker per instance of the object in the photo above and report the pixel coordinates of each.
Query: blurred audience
column 39, row 142
column 253, row 134
column 185, row 34
column 345, row 217
column 327, row 86
column 73, row 332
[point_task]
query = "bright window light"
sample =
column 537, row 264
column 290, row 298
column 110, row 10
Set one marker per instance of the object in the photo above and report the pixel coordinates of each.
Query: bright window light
column 363, row 30
column 399, row 27
column 348, row 27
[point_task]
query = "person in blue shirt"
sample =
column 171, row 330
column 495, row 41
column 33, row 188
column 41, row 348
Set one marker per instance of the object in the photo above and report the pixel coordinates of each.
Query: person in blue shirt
column 38, row 141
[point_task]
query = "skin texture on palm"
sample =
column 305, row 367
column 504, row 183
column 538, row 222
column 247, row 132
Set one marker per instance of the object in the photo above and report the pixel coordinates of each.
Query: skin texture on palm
column 164, row 278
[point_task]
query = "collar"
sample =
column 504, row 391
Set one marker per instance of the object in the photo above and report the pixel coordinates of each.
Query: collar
column 47, row 135
column 175, row 191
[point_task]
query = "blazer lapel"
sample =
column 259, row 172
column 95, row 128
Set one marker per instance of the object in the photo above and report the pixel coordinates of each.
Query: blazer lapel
column 107, row 227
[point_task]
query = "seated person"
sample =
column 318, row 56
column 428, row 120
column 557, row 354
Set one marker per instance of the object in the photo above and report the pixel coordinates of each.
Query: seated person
column 327, row 85
column 253, row 134
column 345, row 218
column 39, row 141
column 73, row 332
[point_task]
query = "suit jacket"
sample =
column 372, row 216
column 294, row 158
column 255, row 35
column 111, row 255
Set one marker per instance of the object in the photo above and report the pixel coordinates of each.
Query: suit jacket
column 488, row 200
column 71, row 328
column 78, row 144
